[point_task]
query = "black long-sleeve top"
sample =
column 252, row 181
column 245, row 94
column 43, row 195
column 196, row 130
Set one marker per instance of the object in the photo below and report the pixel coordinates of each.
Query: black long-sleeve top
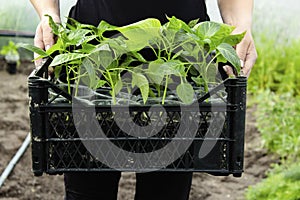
column 122, row 12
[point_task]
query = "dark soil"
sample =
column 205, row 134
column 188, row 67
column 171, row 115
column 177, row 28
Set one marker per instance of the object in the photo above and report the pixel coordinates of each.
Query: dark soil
column 22, row 185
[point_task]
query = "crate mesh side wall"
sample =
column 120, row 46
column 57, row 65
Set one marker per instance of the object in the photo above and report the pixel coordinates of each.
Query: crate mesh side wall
column 66, row 151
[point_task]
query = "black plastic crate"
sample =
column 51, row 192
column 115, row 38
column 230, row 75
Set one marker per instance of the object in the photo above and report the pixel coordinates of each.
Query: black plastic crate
column 208, row 135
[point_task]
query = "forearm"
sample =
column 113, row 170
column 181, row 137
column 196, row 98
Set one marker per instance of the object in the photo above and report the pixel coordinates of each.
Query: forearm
column 237, row 13
column 43, row 7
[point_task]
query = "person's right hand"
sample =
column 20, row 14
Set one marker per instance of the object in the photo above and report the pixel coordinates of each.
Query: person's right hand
column 44, row 38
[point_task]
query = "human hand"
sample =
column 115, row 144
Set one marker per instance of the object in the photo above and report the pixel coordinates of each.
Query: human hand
column 247, row 53
column 44, row 38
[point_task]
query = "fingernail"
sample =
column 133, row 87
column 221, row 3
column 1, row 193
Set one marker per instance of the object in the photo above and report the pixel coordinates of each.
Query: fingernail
column 242, row 63
column 47, row 47
column 225, row 68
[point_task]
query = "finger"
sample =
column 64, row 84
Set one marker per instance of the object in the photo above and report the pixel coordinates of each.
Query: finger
column 38, row 42
column 250, row 61
column 248, row 67
column 241, row 50
column 229, row 71
column 48, row 37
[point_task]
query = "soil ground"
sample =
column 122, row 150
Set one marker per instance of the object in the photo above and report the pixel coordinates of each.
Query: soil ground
column 23, row 185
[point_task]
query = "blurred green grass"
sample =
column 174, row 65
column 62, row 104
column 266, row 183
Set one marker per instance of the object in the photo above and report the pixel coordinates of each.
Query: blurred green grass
column 274, row 86
column 278, row 66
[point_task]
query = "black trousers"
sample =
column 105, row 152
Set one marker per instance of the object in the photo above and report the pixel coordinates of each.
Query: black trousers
column 149, row 186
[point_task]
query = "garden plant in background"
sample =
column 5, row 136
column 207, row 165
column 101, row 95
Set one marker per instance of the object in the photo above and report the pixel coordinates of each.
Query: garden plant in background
column 278, row 122
column 277, row 70
column 11, row 56
column 275, row 84
column 176, row 52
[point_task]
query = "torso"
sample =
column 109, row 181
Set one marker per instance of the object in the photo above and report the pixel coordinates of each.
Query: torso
column 122, row 12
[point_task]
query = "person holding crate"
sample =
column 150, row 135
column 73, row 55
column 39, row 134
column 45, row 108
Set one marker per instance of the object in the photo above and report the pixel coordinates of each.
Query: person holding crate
column 152, row 185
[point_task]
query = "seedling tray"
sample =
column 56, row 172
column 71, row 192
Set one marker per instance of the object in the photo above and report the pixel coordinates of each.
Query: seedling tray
column 206, row 136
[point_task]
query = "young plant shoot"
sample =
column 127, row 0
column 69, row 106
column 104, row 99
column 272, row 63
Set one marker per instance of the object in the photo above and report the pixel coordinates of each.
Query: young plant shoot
column 173, row 58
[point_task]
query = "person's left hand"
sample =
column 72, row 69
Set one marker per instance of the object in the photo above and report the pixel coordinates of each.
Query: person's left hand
column 247, row 53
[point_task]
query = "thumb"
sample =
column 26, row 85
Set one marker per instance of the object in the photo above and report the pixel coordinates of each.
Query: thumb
column 229, row 71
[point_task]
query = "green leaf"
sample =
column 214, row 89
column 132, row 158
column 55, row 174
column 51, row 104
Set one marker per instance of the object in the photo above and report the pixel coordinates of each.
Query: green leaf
column 177, row 54
column 103, row 58
column 117, row 45
column 193, row 52
column 54, row 26
column 65, row 58
column 139, row 56
column 234, row 39
column 102, row 47
column 154, row 71
column 127, row 62
column 100, row 83
column 33, row 48
column 55, row 47
column 172, row 67
column 224, row 31
column 57, row 71
column 193, row 23
column 86, row 48
column 77, row 37
column 194, row 70
column 10, row 49
column 177, row 24
column 115, row 77
column 89, row 67
column 104, row 26
column 140, row 33
column 142, row 83
column 89, row 38
column 118, row 86
column 73, row 24
column 185, row 92
column 207, row 29
column 229, row 53
column 198, row 80
column 213, row 33
column 207, row 41
column 211, row 73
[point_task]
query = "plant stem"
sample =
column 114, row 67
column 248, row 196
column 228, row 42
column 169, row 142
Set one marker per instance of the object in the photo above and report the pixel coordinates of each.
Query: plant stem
column 205, row 72
column 181, row 44
column 211, row 60
column 77, row 85
column 165, row 90
column 68, row 80
column 188, row 69
column 112, row 89
column 151, row 47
